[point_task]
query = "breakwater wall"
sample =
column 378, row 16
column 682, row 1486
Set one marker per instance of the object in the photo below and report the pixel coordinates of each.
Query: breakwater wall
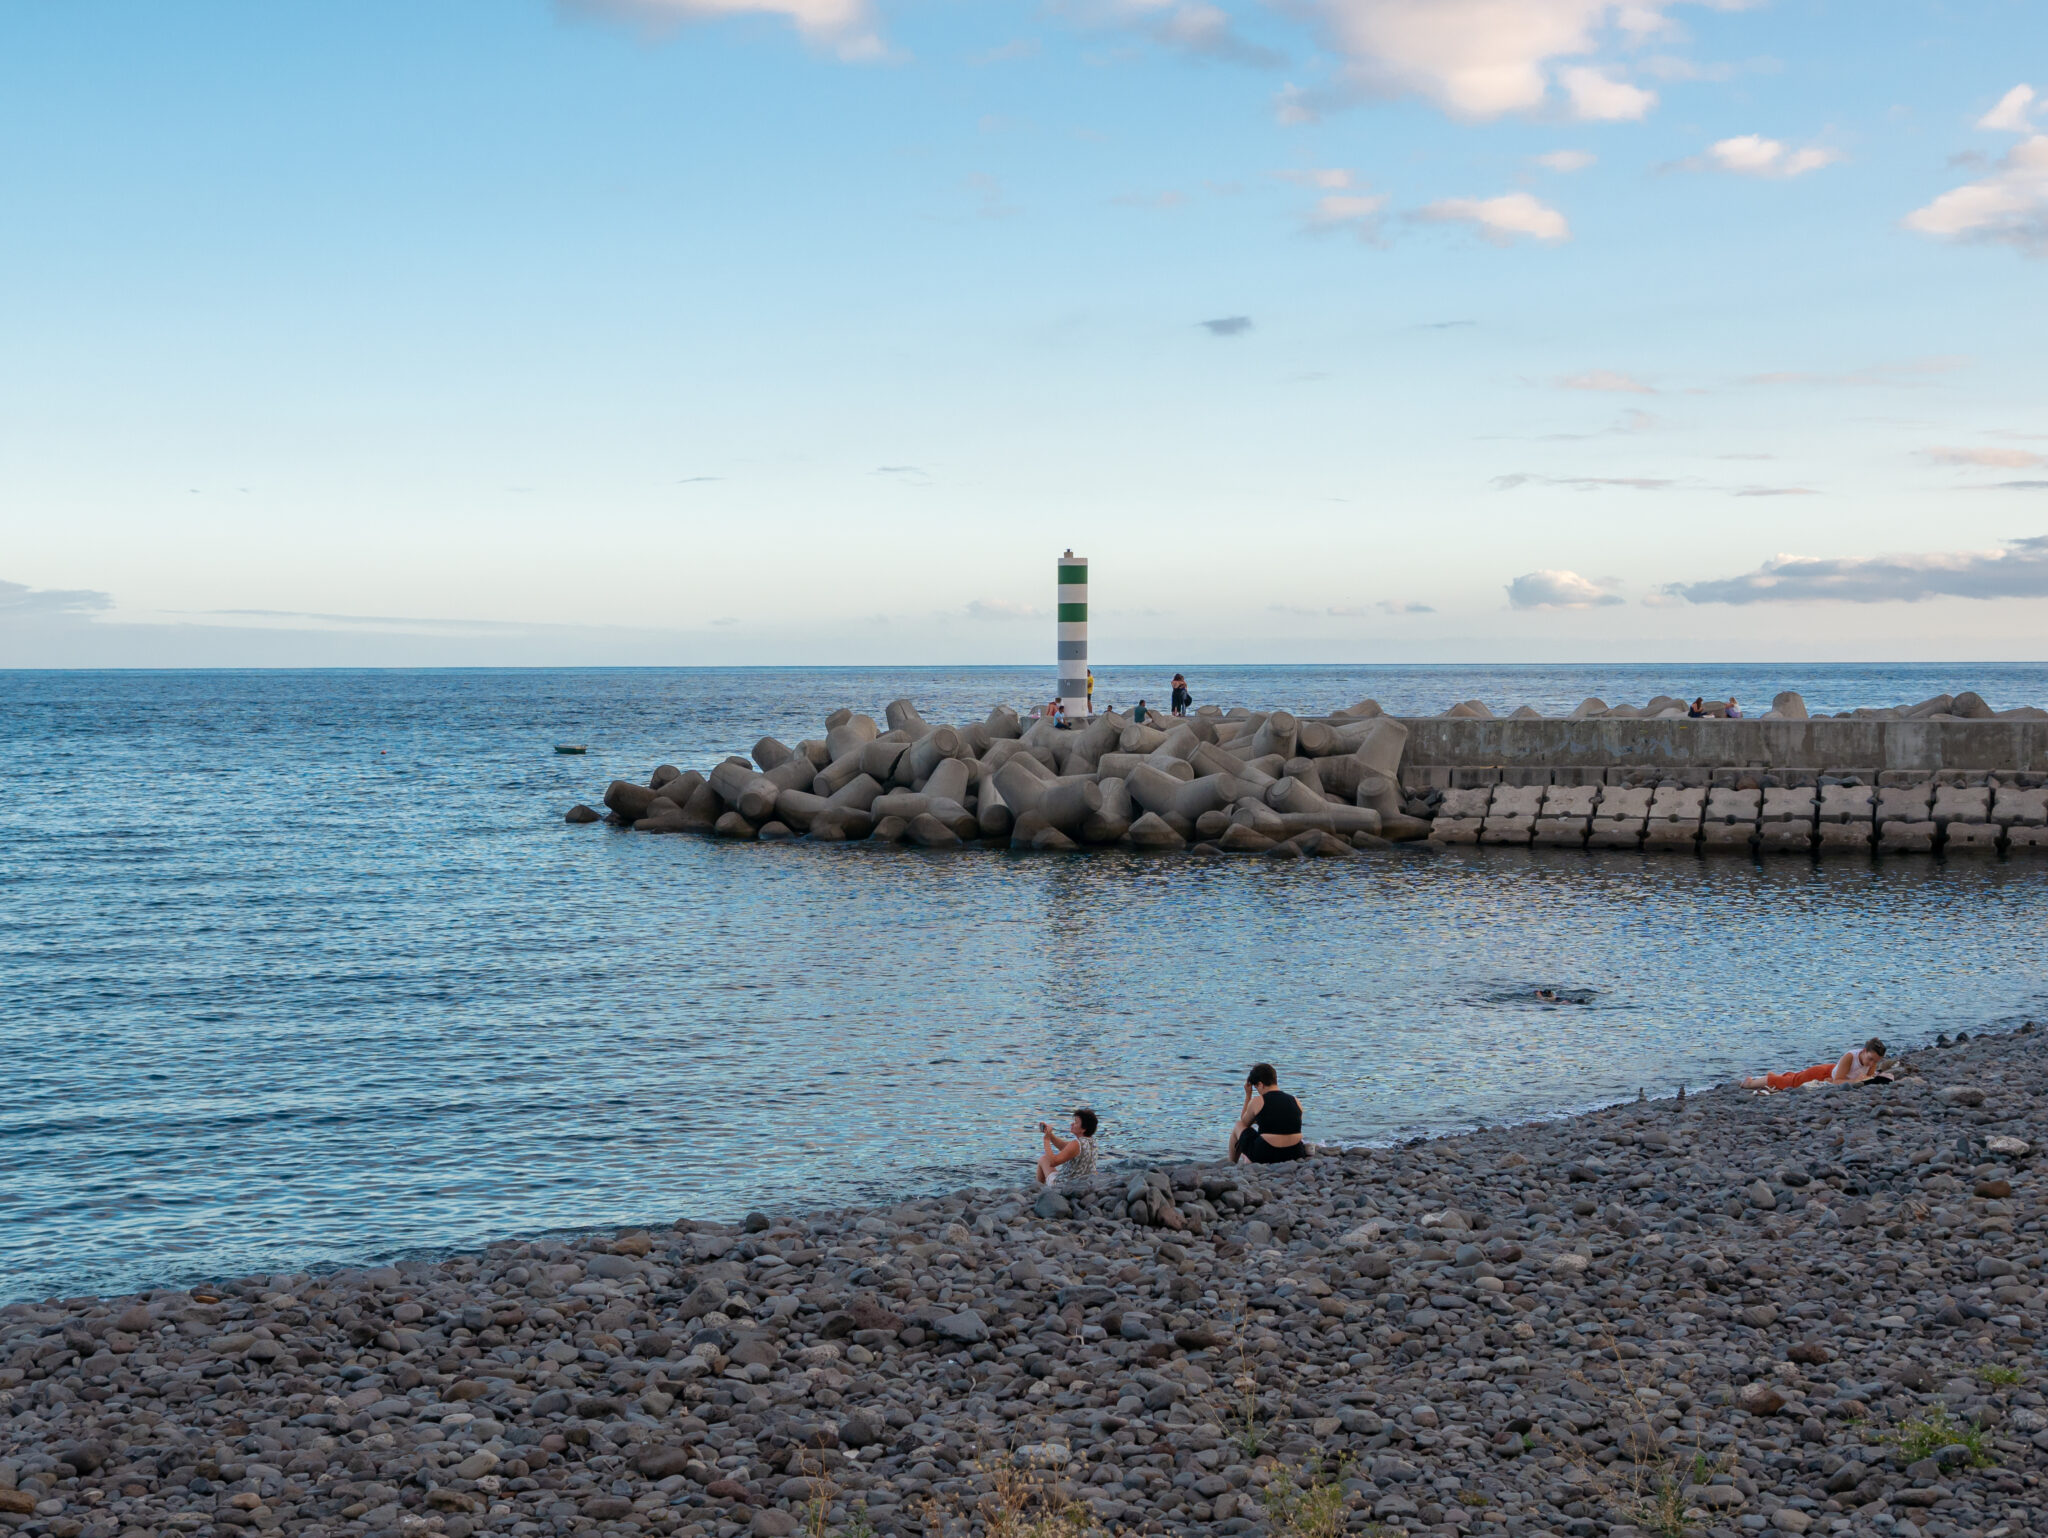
column 1847, row 746
column 1273, row 782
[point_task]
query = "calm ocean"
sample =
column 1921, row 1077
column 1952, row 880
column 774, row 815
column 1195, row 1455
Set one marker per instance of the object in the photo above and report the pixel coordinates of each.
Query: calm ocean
column 306, row 967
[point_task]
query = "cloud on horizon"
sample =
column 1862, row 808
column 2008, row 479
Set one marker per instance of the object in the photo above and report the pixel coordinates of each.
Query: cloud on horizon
column 1560, row 590
column 1227, row 325
column 19, row 603
column 2018, row 571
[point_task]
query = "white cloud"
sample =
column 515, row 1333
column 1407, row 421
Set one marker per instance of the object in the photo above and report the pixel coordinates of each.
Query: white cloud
column 2014, row 113
column 1754, row 155
column 1565, row 160
column 1559, row 590
column 1358, row 211
column 1990, row 459
column 1598, row 97
column 1486, row 58
column 2010, row 206
column 1501, row 219
column 1327, row 178
column 1001, row 609
column 1605, row 381
column 844, row 26
column 1395, row 606
column 1190, row 26
column 2018, row 571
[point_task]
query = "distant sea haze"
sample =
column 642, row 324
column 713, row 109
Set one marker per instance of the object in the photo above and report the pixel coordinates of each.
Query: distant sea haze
column 305, row 967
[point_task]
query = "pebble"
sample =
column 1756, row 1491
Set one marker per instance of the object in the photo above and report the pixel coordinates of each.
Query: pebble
column 1518, row 1333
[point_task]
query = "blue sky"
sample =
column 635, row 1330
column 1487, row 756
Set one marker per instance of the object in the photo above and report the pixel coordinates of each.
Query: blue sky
column 811, row 330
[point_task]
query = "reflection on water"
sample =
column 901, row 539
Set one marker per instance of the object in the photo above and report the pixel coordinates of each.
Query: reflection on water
column 310, row 967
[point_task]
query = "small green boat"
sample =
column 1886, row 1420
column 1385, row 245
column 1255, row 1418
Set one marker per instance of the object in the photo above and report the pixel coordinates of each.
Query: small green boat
column 562, row 747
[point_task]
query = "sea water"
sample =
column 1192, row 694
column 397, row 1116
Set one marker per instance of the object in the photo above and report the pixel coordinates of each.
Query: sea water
column 302, row 968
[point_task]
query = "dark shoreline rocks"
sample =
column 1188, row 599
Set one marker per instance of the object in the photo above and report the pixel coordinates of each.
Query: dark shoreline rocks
column 1816, row 1312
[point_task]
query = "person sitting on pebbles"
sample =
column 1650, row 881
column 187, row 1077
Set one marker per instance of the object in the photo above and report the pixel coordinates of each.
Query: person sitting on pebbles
column 1269, row 1129
column 1070, row 1161
column 1853, row 1068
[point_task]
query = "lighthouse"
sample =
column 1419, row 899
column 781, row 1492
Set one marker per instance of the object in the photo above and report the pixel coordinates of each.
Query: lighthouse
column 1073, row 628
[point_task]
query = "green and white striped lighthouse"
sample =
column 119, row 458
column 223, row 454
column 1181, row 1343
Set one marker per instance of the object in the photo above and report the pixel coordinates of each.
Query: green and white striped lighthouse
column 1073, row 625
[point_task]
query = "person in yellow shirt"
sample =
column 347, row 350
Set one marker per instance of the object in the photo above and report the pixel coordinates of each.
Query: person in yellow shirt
column 1091, row 691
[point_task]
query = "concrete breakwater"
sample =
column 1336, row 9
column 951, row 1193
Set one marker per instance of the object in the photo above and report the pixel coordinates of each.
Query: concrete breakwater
column 1272, row 782
column 1807, row 1315
column 1243, row 781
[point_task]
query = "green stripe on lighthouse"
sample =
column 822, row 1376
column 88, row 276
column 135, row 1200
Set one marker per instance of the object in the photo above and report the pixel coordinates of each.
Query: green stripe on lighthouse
column 1073, row 574
column 1073, row 613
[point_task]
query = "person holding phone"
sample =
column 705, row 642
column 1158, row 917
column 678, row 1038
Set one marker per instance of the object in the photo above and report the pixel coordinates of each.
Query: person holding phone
column 1068, row 1161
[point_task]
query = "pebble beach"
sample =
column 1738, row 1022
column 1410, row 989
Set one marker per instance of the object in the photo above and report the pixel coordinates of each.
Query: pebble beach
column 1814, row 1312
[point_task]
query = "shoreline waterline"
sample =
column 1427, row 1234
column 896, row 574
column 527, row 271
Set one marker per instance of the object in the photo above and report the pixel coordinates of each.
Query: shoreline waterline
column 1550, row 1326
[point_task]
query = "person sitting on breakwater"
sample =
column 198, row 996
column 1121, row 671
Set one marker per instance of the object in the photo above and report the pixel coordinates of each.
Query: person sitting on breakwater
column 1853, row 1068
column 1068, row 1162
column 1057, row 711
column 1734, row 712
column 1699, row 708
column 1269, row 1129
column 1140, row 713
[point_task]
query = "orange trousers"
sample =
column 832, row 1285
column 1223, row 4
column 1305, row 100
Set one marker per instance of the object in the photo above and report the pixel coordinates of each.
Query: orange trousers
column 1803, row 1076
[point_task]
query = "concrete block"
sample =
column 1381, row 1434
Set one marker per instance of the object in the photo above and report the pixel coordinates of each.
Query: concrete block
column 1521, row 802
column 1727, row 836
column 1728, row 806
column 1903, row 779
column 1562, row 833
column 854, row 732
column 1843, row 837
column 2027, row 840
column 951, row 780
column 2015, row 807
column 1960, row 777
column 858, row 793
column 1455, row 830
column 1625, row 802
column 1473, row 776
column 1507, row 830
column 1380, row 740
column 1462, row 802
column 1786, row 837
column 1678, row 803
column 1151, row 831
column 1615, row 833
column 1980, row 837
column 1791, row 803
column 1578, row 774
column 1962, row 803
column 768, row 753
column 1570, row 801
column 1665, row 833
column 1847, row 803
column 1906, row 837
column 1904, row 803
column 1524, row 775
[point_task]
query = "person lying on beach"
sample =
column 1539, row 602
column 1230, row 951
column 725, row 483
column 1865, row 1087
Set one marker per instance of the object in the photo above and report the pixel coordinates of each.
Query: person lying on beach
column 1269, row 1129
column 1853, row 1068
column 1067, row 1162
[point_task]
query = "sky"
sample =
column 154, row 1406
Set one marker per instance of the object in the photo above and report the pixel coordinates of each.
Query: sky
column 811, row 331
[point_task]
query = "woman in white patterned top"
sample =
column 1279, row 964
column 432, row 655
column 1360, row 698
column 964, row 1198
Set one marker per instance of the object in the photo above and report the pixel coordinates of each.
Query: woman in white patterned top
column 1068, row 1162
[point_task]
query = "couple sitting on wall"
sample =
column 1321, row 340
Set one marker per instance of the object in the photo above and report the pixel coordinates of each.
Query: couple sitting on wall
column 1268, row 1131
